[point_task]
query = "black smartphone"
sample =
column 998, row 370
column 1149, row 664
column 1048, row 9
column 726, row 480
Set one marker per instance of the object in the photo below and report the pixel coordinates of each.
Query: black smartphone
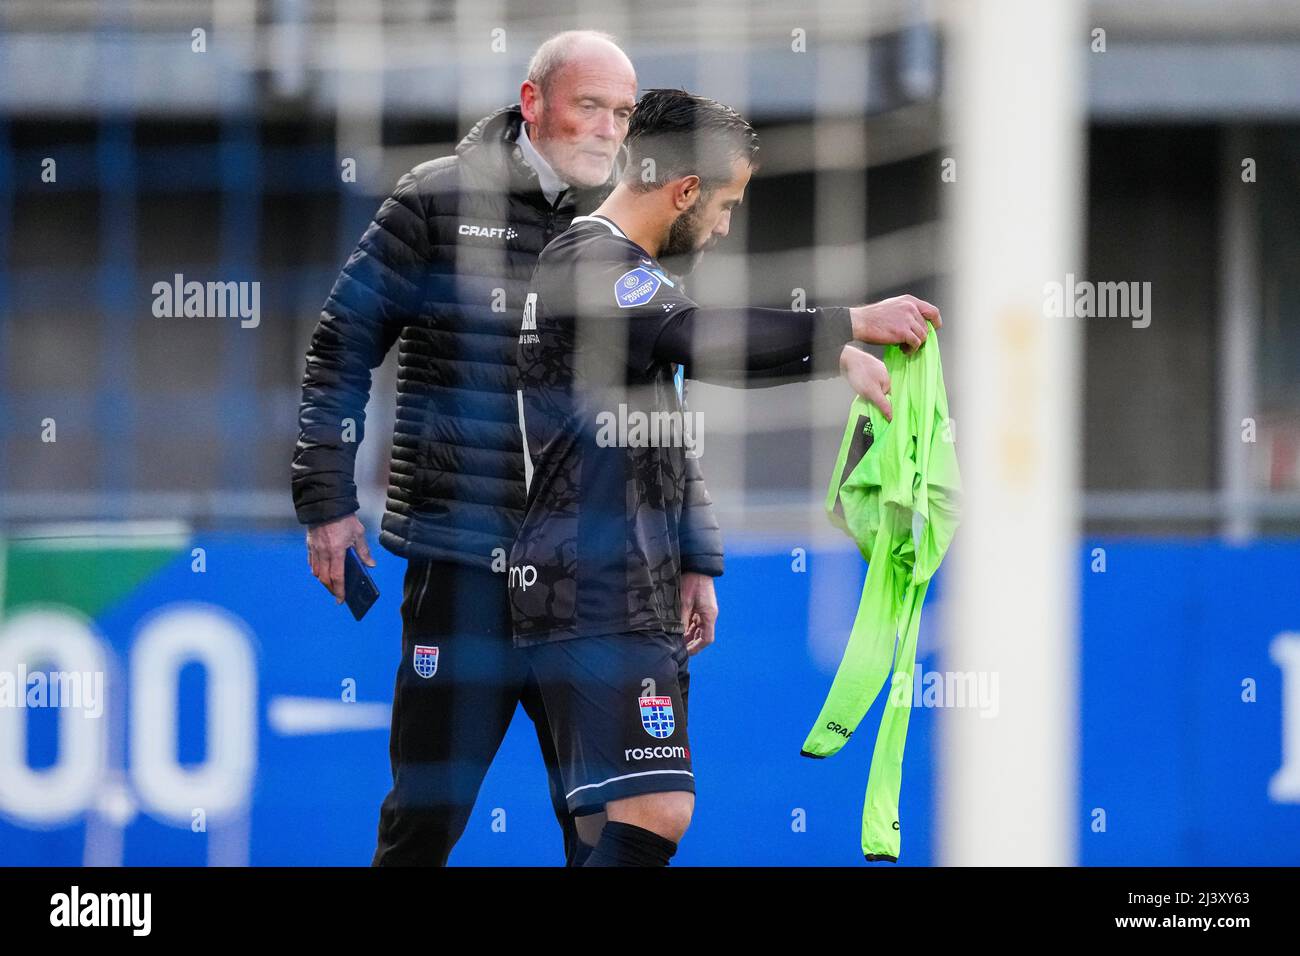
column 359, row 591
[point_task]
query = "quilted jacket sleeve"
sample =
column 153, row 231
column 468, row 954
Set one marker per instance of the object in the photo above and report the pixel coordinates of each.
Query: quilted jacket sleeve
column 701, row 538
column 375, row 296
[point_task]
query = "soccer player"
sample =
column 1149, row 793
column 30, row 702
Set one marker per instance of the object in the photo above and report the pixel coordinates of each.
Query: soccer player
column 595, row 571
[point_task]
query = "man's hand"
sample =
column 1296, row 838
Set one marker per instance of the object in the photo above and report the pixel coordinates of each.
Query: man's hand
column 327, row 544
column 897, row 321
column 699, row 611
column 868, row 376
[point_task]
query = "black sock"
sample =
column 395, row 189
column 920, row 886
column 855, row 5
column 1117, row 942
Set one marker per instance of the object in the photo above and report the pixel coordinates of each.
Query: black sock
column 624, row 844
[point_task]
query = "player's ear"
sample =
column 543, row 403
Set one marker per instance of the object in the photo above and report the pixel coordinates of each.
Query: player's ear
column 686, row 193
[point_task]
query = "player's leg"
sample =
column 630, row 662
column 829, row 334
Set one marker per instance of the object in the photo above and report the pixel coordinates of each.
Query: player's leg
column 664, row 815
column 643, row 830
column 589, row 827
column 617, row 713
column 667, row 814
column 580, row 833
column 457, row 689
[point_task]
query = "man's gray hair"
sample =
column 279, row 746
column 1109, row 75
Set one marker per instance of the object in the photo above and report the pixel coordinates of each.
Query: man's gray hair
column 555, row 52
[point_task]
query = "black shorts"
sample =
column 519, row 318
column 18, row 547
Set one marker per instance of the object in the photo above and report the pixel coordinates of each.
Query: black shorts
column 617, row 710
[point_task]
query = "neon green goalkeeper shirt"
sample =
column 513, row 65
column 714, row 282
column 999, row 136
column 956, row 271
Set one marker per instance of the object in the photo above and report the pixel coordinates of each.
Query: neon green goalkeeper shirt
column 896, row 491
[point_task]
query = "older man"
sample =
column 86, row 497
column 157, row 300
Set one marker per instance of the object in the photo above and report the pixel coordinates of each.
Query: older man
column 441, row 271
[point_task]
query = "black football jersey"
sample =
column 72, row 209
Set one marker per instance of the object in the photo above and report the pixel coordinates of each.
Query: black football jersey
column 606, row 436
column 608, row 439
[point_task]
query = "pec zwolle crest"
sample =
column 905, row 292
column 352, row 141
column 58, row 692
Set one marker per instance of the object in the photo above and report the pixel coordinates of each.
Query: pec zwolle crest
column 426, row 660
column 657, row 716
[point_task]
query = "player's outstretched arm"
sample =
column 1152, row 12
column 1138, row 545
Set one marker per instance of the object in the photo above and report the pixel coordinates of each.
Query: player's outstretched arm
column 756, row 347
column 750, row 346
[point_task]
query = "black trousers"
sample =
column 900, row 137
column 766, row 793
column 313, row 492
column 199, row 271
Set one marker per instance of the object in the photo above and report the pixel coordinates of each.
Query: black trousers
column 458, row 684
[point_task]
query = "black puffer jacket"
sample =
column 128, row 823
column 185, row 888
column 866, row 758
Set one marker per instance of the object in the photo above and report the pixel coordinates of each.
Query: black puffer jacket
column 442, row 271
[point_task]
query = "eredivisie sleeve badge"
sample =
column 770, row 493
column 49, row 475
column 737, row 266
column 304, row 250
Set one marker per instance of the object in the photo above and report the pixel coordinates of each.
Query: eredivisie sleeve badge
column 636, row 287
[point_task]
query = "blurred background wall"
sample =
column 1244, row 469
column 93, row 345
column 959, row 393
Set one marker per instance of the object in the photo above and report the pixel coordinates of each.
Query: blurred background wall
column 228, row 164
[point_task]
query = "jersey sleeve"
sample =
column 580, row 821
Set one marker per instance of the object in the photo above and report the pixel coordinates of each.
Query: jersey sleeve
column 750, row 346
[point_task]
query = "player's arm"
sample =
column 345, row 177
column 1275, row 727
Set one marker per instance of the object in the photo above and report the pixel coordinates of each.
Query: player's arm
column 755, row 346
column 750, row 346
column 889, row 325
column 725, row 345
column 741, row 346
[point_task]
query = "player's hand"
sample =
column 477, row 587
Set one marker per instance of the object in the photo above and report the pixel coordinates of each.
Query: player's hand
column 868, row 376
column 699, row 611
column 327, row 544
column 897, row 321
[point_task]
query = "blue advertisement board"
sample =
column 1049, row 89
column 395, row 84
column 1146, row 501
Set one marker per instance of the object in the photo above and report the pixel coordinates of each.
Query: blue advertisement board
column 243, row 716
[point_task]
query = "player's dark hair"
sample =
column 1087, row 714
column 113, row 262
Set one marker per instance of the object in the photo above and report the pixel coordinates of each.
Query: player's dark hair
column 673, row 134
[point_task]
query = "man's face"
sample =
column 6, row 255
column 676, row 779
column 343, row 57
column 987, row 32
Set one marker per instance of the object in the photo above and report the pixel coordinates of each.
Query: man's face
column 579, row 122
column 698, row 228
